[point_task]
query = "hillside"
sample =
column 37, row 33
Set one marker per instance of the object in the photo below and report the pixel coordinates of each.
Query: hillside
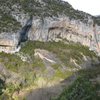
column 14, row 11
column 43, row 64
column 48, row 51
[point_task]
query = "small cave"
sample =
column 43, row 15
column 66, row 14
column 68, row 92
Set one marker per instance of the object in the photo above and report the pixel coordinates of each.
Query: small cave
column 5, row 45
column 54, row 28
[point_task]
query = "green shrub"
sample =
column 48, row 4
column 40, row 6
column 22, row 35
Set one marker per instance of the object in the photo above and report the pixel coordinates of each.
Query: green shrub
column 9, row 90
column 80, row 89
column 2, row 86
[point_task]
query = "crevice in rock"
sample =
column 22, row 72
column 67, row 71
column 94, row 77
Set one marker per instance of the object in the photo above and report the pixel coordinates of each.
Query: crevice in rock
column 55, row 28
column 6, row 46
column 24, row 32
column 96, row 37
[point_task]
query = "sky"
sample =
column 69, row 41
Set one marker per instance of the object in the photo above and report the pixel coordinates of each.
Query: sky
column 90, row 6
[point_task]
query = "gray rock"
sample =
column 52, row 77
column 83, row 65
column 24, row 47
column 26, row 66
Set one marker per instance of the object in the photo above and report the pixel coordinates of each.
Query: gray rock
column 62, row 27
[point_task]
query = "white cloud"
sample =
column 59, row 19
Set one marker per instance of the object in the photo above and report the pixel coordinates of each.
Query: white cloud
column 89, row 6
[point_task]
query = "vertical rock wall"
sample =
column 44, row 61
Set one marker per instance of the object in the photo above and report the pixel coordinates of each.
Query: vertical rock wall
column 62, row 27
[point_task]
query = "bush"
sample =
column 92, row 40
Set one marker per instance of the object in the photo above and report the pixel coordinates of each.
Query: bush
column 2, row 86
column 80, row 89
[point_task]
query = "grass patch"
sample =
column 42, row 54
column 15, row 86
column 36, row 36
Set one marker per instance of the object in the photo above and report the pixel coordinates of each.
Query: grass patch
column 61, row 75
column 56, row 66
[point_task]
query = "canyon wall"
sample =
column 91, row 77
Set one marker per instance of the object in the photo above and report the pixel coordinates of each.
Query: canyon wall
column 54, row 28
column 58, row 28
column 50, row 20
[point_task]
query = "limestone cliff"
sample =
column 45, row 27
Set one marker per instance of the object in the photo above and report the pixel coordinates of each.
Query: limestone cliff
column 62, row 27
column 50, row 20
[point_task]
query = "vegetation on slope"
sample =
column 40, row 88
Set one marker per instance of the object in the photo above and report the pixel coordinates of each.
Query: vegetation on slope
column 25, row 69
column 46, row 8
column 65, row 52
column 36, row 8
column 8, row 23
column 83, row 87
column 28, row 72
column 33, row 68
column 97, row 20
column 11, row 61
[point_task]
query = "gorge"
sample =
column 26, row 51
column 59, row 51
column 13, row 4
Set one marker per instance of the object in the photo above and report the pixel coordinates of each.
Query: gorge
column 48, row 51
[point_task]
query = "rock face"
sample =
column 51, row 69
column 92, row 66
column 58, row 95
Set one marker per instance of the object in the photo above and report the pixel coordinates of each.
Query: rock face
column 62, row 27
column 47, row 57
column 55, row 28
column 52, row 20
column 9, row 42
